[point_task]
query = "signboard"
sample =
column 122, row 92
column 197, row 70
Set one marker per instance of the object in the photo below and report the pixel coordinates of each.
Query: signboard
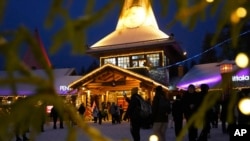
column 236, row 78
column 63, row 89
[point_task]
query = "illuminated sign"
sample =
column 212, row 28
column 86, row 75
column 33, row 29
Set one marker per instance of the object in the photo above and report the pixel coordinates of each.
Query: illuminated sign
column 64, row 88
column 241, row 78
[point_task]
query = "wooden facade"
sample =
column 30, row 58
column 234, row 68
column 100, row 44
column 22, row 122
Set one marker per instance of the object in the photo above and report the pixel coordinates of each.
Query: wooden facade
column 133, row 55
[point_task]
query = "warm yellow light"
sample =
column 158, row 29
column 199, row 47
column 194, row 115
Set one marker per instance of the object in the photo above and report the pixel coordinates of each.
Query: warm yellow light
column 242, row 60
column 234, row 18
column 210, row 1
column 226, row 68
column 153, row 138
column 2, row 41
column 244, row 106
column 241, row 12
column 134, row 16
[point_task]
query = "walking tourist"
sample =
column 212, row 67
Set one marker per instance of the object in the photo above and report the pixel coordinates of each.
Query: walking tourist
column 177, row 112
column 135, row 121
column 190, row 101
column 160, row 110
column 81, row 110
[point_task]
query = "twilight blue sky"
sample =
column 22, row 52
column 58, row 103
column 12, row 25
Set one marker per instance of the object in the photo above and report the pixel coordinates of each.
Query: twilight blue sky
column 32, row 14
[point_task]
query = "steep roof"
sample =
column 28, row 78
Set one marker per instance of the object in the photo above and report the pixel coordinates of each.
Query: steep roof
column 102, row 79
column 129, row 36
column 136, row 23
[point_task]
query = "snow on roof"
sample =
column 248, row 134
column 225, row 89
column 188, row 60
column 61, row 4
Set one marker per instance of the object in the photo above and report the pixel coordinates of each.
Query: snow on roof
column 133, row 35
column 62, row 78
column 210, row 74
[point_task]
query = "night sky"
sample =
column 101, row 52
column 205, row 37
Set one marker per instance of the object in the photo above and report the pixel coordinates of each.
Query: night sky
column 32, row 14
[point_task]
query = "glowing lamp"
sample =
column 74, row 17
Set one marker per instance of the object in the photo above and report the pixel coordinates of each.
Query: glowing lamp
column 242, row 60
column 244, row 106
column 226, row 68
column 241, row 12
column 153, row 138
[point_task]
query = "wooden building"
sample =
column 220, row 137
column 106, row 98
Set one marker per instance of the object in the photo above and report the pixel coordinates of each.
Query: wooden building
column 133, row 55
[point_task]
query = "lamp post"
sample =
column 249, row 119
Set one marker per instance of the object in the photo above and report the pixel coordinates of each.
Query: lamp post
column 226, row 69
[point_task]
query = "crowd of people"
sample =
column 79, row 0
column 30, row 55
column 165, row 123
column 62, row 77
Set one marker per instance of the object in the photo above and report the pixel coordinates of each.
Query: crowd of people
column 181, row 109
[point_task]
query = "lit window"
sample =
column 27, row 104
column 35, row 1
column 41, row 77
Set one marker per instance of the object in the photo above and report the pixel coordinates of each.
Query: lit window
column 110, row 60
column 123, row 62
column 153, row 60
column 138, row 61
column 135, row 57
column 142, row 63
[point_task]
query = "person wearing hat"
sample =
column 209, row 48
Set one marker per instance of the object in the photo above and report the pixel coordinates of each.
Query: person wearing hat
column 134, row 114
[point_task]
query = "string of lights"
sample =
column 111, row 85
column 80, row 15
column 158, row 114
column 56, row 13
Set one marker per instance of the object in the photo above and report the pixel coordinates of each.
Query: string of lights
column 195, row 56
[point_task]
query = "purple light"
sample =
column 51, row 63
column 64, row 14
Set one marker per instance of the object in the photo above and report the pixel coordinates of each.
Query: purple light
column 245, row 71
column 20, row 92
column 211, row 81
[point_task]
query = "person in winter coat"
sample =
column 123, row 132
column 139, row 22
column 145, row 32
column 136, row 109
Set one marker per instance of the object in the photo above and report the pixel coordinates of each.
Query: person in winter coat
column 126, row 117
column 95, row 114
column 113, row 112
column 121, row 113
column 133, row 114
column 177, row 112
column 206, row 128
column 81, row 110
column 190, row 105
column 160, row 111
column 55, row 115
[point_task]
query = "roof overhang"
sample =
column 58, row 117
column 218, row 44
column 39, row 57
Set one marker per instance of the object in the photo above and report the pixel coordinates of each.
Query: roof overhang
column 110, row 77
column 131, row 36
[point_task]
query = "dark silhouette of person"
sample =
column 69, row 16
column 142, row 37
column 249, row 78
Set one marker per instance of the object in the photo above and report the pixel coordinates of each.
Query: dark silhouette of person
column 117, row 114
column 81, row 109
column 55, row 115
column 100, row 116
column 133, row 113
column 147, row 123
column 121, row 113
column 112, row 111
column 126, row 117
column 160, row 111
column 223, row 113
column 215, row 114
column 190, row 105
column 105, row 113
column 177, row 112
column 208, row 114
